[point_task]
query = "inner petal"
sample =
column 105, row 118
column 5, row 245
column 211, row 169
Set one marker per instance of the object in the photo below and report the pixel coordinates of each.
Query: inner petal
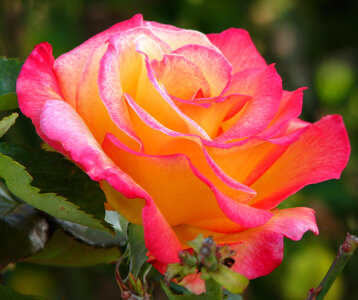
column 181, row 77
column 214, row 66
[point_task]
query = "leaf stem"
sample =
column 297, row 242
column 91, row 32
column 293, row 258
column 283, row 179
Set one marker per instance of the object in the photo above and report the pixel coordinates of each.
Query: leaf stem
column 345, row 252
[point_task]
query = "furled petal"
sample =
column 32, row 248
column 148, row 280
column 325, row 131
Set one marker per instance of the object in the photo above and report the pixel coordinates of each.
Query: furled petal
column 169, row 142
column 68, row 67
column 61, row 123
column 181, row 77
column 265, row 87
column 213, row 65
column 237, row 47
column 90, row 106
column 320, row 154
column 122, row 61
column 210, row 118
column 290, row 108
column 178, row 38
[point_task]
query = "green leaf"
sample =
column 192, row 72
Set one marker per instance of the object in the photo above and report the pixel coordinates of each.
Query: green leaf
column 232, row 281
column 20, row 224
column 7, row 122
column 172, row 296
column 9, row 71
column 9, row 294
column 96, row 237
column 64, row 250
column 137, row 248
column 50, row 182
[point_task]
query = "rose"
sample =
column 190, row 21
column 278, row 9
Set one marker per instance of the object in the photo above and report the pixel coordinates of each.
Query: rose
column 186, row 134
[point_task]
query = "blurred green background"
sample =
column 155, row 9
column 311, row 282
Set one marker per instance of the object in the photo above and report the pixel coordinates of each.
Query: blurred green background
column 313, row 43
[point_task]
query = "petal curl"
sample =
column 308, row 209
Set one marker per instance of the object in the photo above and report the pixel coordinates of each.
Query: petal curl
column 177, row 38
column 90, row 106
column 265, row 87
column 37, row 82
column 181, row 77
column 238, row 48
column 68, row 66
column 258, row 250
column 320, row 154
column 213, row 65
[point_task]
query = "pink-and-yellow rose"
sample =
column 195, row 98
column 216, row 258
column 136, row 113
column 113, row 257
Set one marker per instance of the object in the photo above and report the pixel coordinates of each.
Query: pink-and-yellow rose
column 187, row 133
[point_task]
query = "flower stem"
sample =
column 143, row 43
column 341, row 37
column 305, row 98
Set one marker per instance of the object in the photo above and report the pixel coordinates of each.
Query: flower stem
column 345, row 252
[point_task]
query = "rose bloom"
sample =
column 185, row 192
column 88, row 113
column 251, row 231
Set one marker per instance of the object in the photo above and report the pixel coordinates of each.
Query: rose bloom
column 186, row 133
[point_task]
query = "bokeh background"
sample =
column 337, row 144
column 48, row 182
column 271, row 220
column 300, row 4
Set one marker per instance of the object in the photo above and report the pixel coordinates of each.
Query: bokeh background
column 313, row 43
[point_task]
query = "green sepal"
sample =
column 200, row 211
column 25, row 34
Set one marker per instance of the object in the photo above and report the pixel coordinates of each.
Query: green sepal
column 232, row 281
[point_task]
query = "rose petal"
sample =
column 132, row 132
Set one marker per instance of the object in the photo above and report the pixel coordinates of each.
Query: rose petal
column 265, row 87
column 210, row 118
column 170, row 142
column 37, row 82
column 213, row 65
column 320, row 154
column 173, row 185
column 181, row 77
column 177, row 176
column 178, row 38
column 238, row 48
column 290, row 108
column 68, row 67
column 90, row 106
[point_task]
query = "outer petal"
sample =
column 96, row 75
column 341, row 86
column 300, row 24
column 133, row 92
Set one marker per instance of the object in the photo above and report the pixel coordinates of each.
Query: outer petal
column 320, row 154
column 258, row 250
column 61, row 123
column 37, row 83
column 261, row 249
column 237, row 47
column 68, row 67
